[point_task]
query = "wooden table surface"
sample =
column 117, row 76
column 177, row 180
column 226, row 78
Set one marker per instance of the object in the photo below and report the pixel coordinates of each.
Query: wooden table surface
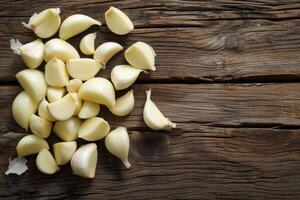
column 228, row 74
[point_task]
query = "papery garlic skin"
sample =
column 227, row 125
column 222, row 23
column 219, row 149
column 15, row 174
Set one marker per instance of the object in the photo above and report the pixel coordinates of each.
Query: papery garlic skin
column 117, row 143
column 83, row 68
column 40, row 126
column 89, row 110
column 63, row 152
column 60, row 49
column 124, row 104
column 87, row 44
column 46, row 163
column 153, row 117
column 117, row 21
column 74, row 85
column 55, row 94
column 93, row 129
column 67, row 130
column 31, row 144
column 106, row 51
column 56, row 73
column 44, row 112
column 16, row 166
column 63, row 108
column 78, row 102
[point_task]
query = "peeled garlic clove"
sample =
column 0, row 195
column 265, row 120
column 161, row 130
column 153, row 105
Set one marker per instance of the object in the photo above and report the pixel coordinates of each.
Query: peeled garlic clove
column 54, row 94
column 124, row 105
column 31, row 144
column 46, row 23
column 63, row 152
column 46, row 163
column 74, row 85
column 117, row 143
column 87, row 44
column 78, row 102
column 106, row 51
column 141, row 56
column 60, row 49
column 44, row 112
column 64, row 108
column 22, row 109
column 83, row 68
column 89, row 110
column 93, row 129
column 117, row 21
column 33, row 82
column 98, row 90
column 56, row 74
column 32, row 53
column 67, row 130
column 39, row 126
column 153, row 117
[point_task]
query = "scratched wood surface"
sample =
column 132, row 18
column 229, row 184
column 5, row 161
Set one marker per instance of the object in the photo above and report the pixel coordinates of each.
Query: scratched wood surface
column 228, row 73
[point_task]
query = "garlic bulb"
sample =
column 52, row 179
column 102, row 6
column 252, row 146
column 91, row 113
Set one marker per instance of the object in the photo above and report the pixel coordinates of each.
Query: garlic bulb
column 32, row 53
column 84, row 161
column 67, row 130
column 74, row 85
column 63, row 108
column 56, row 74
column 83, row 68
column 117, row 21
column 40, row 126
column 76, row 24
column 46, row 163
column 31, row 144
column 44, row 112
column 124, row 105
column 117, row 143
column 141, row 56
column 89, row 110
column 153, row 117
column 63, row 152
column 46, row 23
column 93, row 129
column 54, row 94
column 106, row 51
column 78, row 102
column 87, row 44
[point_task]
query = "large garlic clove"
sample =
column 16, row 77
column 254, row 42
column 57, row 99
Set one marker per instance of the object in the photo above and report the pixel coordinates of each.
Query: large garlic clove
column 63, row 152
column 89, row 110
column 83, row 68
column 117, row 21
column 98, row 90
column 76, row 24
column 33, row 82
column 74, row 85
column 56, row 73
column 93, row 129
column 141, row 56
column 123, row 76
column 87, row 44
column 31, row 144
column 124, row 105
column 22, row 109
column 117, row 143
column 60, row 49
column 106, row 51
column 153, row 117
column 55, row 94
column 44, row 112
column 78, row 102
column 67, row 130
column 64, row 108
column 46, row 23
column 40, row 126
column 46, row 163
column 32, row 53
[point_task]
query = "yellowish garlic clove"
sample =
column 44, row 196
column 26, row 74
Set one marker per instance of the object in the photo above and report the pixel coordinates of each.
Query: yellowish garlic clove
column 93, row 129
column 63, row 152
column 55, row 94
column 46, row 163
column 117, row 21
column 40, row 126
column 117, row 143
column 78, row 102
column 63, row 108
column 87, row 44
column 44, row 112
column 74, row 85
column 89, row 110
column 31, row 144
column 67, row 130
column 106, row 51
column 83, row 68
column 56, row 73
column 124, row 105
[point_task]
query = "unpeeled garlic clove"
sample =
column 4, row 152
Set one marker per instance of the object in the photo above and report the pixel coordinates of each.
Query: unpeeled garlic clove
column 93, row 129
column 141, row 55
column 55, row 94
column 117, row 21
column 87, row 44
column 44, row 112
column 56, row 74
column 89, row 110
column 40, row 126
column 33, row 82
column 78, row 102
column 63, row 108
column 106, row 51
column 83, row 68
column 76, row 24
column 63, row 152
column 124, row 104
column 84, row 161
column 74, row 85
column 67, row 130
column 31, row 144
column 46, row 163
column 153, row 117
column 117, row 143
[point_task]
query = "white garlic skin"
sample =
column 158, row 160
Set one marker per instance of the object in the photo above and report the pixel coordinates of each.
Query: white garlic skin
column 40, row 126
column 83, row 68
column 63, row 151
column 89, row 110
column 117, row 21
column 67, row 130
column 124, row 105
column 46, row 163
column 31, row 144
column 56, row 73
column 87, row 44
column 106, row 51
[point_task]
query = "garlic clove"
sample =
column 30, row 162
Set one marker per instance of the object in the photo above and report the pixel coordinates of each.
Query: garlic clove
column 60, row 49
column 32, row 53
column 44, row 112
column 46, row 23
column 67, row 130
column 123, row 76
column 106, row 51
column 63, row 152
column 40, row 126
column 141, row 55
column 153, row 117
column 117, row 21
column 74, row 85
column 31, row 144
column 93, row 129
column 124, row 105
column 63, row 108
column 78, row 102
column 89, row 110
column 76, row 24
column 56, row 73
column 46, row 163
column 33, row 82
column 22, row 109
column 83, row 68
column 98, row 90
column 54, row 94
column 87, row 44
column 117, row 143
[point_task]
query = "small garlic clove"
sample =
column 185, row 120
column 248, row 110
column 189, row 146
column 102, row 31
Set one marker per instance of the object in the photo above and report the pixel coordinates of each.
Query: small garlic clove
column 89, row 110
column 106, row 51
column 63, row 152
column 153, row 117
column 74, row 85
column 55, row 94
column 33, row 82
column 67, row 130
column 141, row 55
column 63, row 108
column 124, row 105
column 83, row 68
column 117, row 143
column 60, row 49
column 31, row 144
column 98, row 90
column 78, row 102
column 87, row 44
column 93, row 129
column 44, row 112
column 46, row 163
column 40, row 126
column 56, row 73
column 76, row 24
column 117, row 21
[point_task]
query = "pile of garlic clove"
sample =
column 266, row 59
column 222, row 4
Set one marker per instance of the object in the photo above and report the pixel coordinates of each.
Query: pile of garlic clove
column 66, row 97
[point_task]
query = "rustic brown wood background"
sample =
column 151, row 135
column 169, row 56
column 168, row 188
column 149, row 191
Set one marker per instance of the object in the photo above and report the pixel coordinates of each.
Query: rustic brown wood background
column 228, row 74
